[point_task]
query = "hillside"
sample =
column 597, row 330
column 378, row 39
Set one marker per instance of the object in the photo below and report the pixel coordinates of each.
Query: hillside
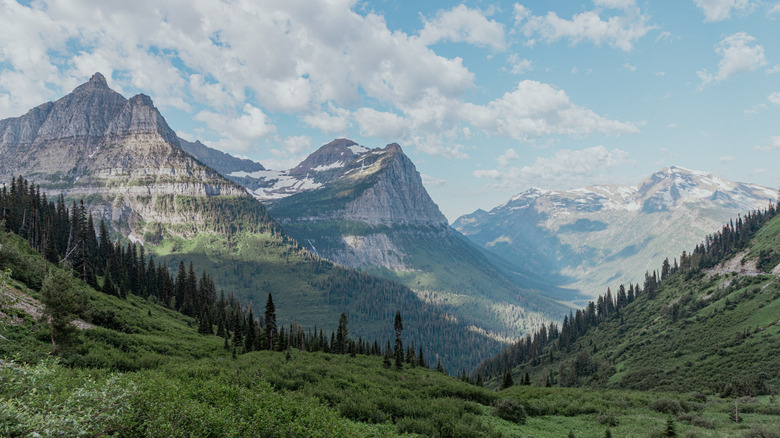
column 141, row 369
column 120, row 157
column 368, row 209
column 709, row 326
column 590, row 238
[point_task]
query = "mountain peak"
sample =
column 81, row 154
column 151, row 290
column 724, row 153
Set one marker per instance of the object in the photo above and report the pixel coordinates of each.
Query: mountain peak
column 96, row 82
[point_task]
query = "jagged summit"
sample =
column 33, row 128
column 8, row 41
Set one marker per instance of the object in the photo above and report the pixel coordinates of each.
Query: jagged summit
column 94, row 141
column 96, row 82
column 376, row 186
column 601, row 235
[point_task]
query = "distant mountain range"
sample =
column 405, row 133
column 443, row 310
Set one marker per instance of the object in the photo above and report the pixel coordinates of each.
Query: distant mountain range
column 604, row 235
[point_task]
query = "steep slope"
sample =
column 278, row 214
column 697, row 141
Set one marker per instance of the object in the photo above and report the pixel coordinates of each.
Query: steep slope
column 118, row 153
column 218, row 160
column 367, row 209
column 710, row 326
column 123, row 160
column 602, row 235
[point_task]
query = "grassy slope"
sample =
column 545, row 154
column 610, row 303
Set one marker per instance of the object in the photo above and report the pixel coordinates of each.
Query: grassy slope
column 178, row 383
column 702, row 332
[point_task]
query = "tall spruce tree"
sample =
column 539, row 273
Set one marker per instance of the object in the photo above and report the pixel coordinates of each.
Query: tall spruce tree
column 270, row 322
column 399, row 346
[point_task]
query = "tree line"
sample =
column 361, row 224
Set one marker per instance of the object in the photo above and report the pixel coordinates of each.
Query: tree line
column 716, row 247
column 66, row 236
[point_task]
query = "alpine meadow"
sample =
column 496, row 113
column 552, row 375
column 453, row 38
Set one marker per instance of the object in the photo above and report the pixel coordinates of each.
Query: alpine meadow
column 362, row 218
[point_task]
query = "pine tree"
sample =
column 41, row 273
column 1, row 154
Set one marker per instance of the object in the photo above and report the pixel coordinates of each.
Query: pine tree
column 399, row 346
column 270, row 322
column 670, row 429
column 527, row 380
column 249, row 340
column 508, row 381
column 342, row 335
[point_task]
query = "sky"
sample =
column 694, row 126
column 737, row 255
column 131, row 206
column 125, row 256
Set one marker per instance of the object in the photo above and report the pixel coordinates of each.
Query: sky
column 488, row 98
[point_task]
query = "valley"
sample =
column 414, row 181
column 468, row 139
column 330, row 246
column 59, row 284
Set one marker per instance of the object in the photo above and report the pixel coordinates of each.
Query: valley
column 167, row 253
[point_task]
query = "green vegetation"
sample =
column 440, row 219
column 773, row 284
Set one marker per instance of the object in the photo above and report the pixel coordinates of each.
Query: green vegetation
column 688, row 329
column 143, row 370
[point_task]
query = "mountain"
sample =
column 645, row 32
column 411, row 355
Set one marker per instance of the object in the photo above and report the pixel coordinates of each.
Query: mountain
column 368, row 209
column 709, row 325
column 122, row 160
column 602, row 235
column 119, row 152
column 218, row 160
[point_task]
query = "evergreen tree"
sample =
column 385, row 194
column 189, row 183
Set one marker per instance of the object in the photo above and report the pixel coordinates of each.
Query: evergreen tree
column 527, row 380
column 399, row 346
column 62, row 301
column 508, row 381
column 670, row 429
column 249, row 340
column 342, row 335
column 270, row 322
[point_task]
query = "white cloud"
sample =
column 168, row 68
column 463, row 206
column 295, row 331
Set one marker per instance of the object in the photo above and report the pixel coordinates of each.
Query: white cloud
column 739, row 54
column 775, row 10
column 536, row 109
column 336, row 120
column 629, row 67
column 719, row 10
column 462, row 24
column 520, row 65
column 726, row 159
column 774, row 98
column 292, row 152
column 507, row 156
column 487, row 173
column 619, row 31
column 566, row 169
column 238, row 134
column 380, row 124
column 432, row 181
column 773, row 144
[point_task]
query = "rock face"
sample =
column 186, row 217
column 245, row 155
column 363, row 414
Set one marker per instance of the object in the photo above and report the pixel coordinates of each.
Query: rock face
column 223, row 163
column 120, row 154
column 368, row 209
column 605, row 235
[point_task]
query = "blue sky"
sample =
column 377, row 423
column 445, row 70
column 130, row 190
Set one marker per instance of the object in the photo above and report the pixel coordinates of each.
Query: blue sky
column 488, row 98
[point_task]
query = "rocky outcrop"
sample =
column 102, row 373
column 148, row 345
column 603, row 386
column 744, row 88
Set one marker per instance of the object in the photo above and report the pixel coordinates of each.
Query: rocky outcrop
column 377, row 187
column 223, row 163
column 117, row 153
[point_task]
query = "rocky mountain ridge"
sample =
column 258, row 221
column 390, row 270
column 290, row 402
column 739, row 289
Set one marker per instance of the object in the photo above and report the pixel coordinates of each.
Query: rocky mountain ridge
column 599, row 236
column 95, row 144
column 218, row 160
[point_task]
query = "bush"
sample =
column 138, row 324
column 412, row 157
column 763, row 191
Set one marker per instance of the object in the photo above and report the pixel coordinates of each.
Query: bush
column 761, row 432
column 666, row 406
column 510, row 410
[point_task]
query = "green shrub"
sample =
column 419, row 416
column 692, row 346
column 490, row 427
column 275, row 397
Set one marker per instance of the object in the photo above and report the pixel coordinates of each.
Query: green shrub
column 666, row 406
column 510, row 410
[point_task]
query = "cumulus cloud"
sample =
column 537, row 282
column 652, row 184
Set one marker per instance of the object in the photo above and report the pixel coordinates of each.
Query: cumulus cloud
column 537, row 109
column 719, row 10
column 381, row 124
column 463, row 24
column 432, row 181
column 238, row 134
column 565, row 169
column 520, row 65
column 739, row 53
column 336, row 120
column 619, row 31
